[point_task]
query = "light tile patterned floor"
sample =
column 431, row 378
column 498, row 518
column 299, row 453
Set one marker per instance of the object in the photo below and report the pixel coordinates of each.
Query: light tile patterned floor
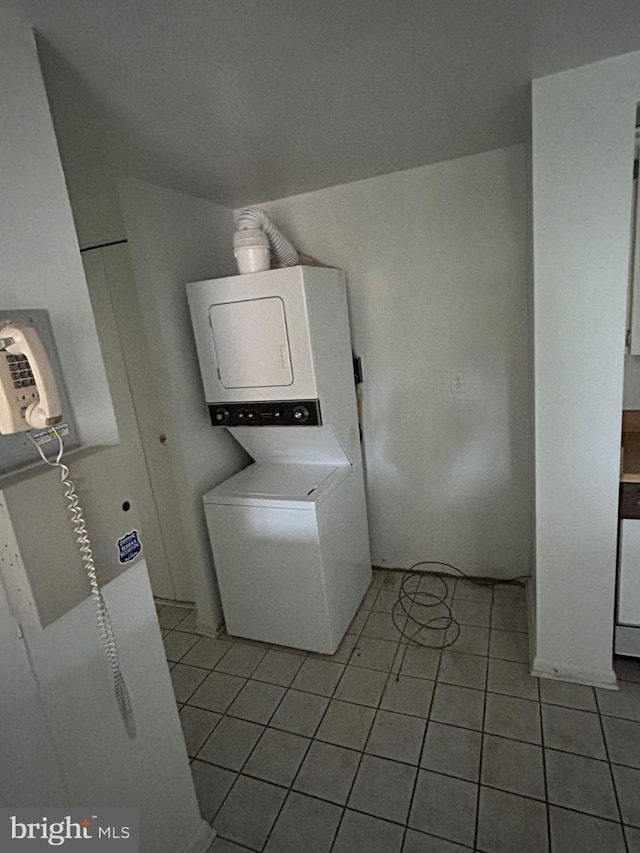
column 460, row 750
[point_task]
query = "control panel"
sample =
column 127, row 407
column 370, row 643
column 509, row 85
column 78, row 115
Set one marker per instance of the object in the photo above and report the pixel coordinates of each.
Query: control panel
column 284, row 413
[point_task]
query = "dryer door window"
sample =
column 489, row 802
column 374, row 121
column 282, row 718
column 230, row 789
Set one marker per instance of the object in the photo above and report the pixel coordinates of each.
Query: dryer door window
column 251, row 343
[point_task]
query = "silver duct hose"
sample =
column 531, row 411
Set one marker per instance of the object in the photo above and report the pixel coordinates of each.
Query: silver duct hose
column 282, row 248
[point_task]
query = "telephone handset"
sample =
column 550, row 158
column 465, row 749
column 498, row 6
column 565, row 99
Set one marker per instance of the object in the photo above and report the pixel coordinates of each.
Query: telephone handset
column 28, row 392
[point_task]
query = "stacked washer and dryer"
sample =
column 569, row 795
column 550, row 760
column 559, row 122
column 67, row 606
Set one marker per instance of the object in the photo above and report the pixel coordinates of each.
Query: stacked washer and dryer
column 289, row 533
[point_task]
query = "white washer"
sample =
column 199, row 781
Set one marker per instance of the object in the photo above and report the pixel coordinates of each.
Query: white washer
column 291, row 551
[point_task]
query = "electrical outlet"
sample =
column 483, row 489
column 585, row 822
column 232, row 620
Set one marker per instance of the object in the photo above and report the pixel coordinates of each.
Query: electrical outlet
column 458, row 383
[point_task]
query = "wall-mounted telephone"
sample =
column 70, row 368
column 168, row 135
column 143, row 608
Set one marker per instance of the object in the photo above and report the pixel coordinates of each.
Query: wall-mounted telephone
column 29, row 401
column 28, row 392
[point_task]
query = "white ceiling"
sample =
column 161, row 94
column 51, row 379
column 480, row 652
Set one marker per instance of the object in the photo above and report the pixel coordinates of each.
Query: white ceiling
column 247, row 100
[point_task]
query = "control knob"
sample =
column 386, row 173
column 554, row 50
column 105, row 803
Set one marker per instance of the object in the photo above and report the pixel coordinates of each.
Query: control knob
column 221, row 416
column 301, row 414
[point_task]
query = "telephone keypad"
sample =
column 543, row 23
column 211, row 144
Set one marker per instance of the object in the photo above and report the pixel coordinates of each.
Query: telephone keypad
column 21, row 372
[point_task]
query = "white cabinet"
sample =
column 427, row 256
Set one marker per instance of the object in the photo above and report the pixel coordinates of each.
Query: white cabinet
column 628, row 595
column 629, row 572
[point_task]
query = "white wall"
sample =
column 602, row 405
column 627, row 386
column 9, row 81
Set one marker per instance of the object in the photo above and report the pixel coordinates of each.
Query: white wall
column 583, row 140
column 62, row 741
column 97, row 217
column 174, row 239
column 34, row 244
column 31, row 772
column 41, row 264
column 436, row 263
column 100, row 765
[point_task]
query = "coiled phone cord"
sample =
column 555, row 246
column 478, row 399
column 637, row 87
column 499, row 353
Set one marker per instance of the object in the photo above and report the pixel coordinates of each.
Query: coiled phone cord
column 109, row 644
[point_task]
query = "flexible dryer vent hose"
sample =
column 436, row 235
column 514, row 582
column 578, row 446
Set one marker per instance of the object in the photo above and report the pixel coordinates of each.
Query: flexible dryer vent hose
column 282, row 248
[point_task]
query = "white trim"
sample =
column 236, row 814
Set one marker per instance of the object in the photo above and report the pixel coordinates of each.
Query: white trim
column 202, row 839
column 172, row 602
column 531, row 612
column 209, row 630
column 202, row 627
column 576, row 674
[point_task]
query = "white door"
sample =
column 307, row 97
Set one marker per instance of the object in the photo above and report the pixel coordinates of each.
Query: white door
column 260, row 322
column 144, row 440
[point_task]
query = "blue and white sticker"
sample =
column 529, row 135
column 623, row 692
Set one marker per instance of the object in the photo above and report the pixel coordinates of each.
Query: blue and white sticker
column 129, row 546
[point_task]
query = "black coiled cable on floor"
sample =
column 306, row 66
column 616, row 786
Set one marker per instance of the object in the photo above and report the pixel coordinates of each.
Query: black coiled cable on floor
column 440, row 630
column 413, row 627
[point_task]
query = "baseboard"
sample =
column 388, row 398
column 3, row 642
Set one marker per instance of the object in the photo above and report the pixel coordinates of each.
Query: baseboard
column 605, row 678
column 172, row 602
column 531, row 614
column 207, row 629
column 202, row 840
column 202, row 627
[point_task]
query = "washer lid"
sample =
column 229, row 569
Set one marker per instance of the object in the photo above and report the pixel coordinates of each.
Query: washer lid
column 279, row 485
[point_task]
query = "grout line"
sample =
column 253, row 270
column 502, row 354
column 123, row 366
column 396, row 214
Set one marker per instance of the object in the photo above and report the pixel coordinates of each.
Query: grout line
column 310, row 739
column 544, row 768
column 611, row 773
column 297, row 773
column 482, row 736
column 361, row 704
column 310, row 742
column 239, row 772
column 225, row 713
column 361, row 751
column 538, row 800
column 424, row 740
column 402, row 713
column 351, row 661
column 327, row 802
column 375, row 708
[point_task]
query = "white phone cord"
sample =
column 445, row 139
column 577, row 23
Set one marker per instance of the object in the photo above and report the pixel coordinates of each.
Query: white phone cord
column 102, row 614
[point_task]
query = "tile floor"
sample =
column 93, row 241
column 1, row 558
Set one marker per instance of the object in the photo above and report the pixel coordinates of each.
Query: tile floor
column 458, row 750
